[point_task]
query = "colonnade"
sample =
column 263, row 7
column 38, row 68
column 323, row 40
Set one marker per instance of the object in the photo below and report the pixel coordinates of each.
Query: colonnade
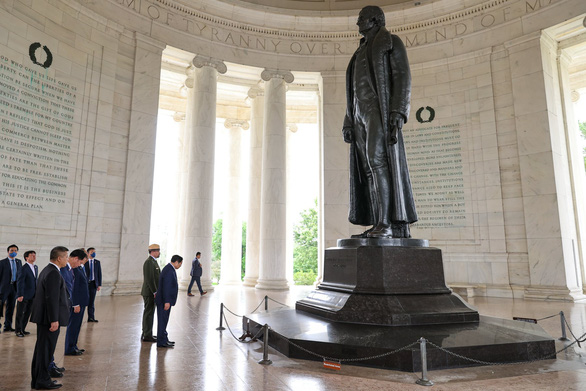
column 266, row 263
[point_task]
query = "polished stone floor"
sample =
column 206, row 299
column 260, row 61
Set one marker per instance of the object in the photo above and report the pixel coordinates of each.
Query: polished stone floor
column 209, row 360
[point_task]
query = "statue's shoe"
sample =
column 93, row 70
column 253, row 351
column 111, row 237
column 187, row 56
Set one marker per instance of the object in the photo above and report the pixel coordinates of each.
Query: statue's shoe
column 381, row 231
column 362, row 235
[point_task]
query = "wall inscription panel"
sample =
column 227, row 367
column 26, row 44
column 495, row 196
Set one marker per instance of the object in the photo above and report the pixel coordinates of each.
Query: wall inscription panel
column 40, row 122
column 434, row 154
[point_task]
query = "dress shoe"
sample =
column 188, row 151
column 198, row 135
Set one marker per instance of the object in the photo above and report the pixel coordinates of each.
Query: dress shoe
column 80, row 350
column 93, row 320
column 74, row 353
column 25, row 332
column 8, row 329
column 204, row 292
column 149, row 339
column 59, row 369
column 190, row 294
column 54, row 373
column 167, row 345
column 171, row 343
column 20, row 334
column 52, row 386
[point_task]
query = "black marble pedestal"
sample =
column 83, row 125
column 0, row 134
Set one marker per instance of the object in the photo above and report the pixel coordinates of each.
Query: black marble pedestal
column 392, row 282
column 491, row 340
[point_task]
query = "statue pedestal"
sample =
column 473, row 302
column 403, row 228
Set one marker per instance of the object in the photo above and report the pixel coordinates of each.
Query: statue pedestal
column 391, row 282
column 373, row 286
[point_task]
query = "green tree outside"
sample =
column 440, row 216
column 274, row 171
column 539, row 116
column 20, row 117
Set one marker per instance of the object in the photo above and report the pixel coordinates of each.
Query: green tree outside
column 217, row 249
column 582, row 126
column 305, row 249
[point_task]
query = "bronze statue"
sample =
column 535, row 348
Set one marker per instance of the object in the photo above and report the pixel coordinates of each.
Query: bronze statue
column 378, row 89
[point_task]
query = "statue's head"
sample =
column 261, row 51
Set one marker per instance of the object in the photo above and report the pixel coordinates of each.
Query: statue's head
column 369, row 17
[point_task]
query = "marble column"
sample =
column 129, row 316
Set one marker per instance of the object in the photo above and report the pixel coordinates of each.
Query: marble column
column 232, row 221
column 256, row 95
column 273, row 217
column 140, row 164
column 200, row 123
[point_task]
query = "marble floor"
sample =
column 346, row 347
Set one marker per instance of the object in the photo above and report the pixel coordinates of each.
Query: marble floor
column 210, row 360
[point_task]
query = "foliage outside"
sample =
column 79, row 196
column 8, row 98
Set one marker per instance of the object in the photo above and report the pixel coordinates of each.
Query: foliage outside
column 305, row 250
column 582, row 126
column 217, row 250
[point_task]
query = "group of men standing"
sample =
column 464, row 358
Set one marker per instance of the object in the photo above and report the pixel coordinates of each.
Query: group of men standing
column 55, row 298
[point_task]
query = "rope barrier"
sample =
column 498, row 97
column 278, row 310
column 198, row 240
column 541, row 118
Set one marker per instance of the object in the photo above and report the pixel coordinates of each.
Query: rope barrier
column 422, row 341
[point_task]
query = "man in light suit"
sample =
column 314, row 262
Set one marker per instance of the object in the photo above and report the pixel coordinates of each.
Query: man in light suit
column 166, row 298
column 26, row 284
column 93, row 270
column 9, row 268
column 151, row 272
column 80, row 297
column 50, row 311
column 196, row 272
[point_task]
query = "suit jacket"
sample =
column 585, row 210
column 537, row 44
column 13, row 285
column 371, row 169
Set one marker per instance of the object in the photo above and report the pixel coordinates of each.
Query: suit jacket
column 81, row 292
column 68, row 277
column 150, row 272
column 196, row 270
column 6, row 276
column 97, row 271
column 26, row 282
column 51, row 303
column 168, row 286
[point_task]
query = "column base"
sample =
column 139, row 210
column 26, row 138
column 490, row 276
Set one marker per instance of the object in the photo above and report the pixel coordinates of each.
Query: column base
column 127, row 288
column 273, row 285
column 207, row 285
column 250, row 281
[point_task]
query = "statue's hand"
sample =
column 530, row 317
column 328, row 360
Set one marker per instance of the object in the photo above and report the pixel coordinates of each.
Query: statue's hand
column 348, row 134
column 397, row 121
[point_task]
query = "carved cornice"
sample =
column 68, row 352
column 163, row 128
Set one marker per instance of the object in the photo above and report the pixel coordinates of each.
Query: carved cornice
column 269, row 74
column 260, row 30
column 204, row 61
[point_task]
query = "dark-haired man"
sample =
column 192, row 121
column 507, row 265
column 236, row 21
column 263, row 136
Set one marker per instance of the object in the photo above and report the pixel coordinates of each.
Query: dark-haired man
column 26, row 284
column 80, row 297
column 93, row 270
column 151, row 272
column 196, row 272
column 50, row 311
column 166, row 298
column 9, row 268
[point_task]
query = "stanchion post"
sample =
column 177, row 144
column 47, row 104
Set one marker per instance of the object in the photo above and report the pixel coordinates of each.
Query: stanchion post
column 265, row 351
column 221, row 317
column 424, row 381
column 564, row 337
column 266, row 303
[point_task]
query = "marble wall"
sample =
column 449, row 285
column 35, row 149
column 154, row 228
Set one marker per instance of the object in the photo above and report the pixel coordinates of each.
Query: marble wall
column 491, row 75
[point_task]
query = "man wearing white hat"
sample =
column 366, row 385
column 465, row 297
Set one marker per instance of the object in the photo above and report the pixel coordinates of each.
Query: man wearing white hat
column 151, row 272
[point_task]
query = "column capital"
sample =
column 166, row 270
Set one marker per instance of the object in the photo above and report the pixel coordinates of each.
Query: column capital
column 255, row 91
column 269, row 74
column 178, row 116
column 575, row 96
column 292, row 127
column 204, row 61
column 236, row 123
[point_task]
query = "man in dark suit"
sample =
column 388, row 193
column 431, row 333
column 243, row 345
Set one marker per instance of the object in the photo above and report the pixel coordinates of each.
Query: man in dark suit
column 26, row 284
column 94, row 276
column 151, row 272
column 9, row 268
column 196, row 272
column 166, row 298
column 50, row 311
column 80, row 297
